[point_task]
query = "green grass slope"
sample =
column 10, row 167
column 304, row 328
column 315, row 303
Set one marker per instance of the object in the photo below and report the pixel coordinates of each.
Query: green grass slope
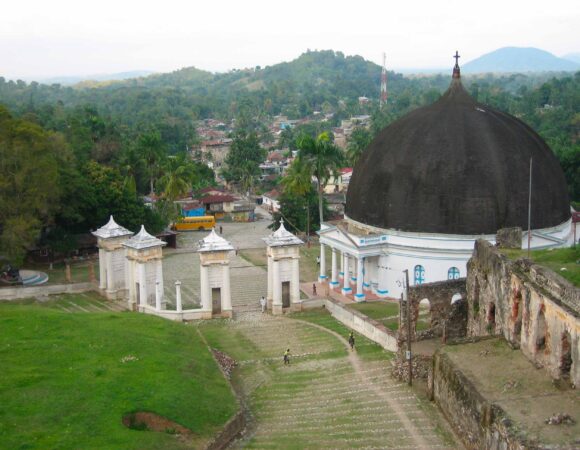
column 68, row 379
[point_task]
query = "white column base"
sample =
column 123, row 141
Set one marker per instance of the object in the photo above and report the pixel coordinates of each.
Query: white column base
column 322, row 278
column 346, row 291
column 359, row 297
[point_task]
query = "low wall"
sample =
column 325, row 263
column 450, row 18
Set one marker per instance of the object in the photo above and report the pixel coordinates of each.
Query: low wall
column 369, row 328
column 231, row 429
column 185, row 315
column 479, row 423
column 19, row 292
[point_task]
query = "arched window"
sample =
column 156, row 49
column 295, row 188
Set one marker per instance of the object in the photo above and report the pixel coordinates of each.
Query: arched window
column 419, row 274
column 453, row 273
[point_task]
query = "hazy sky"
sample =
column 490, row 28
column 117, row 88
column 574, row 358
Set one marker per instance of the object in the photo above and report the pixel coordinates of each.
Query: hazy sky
column 43, row 38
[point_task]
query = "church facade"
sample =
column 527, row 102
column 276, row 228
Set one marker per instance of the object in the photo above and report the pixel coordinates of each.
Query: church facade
column 431, row 184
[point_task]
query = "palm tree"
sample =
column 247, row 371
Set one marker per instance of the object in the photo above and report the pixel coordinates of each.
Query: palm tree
column 150, row 149
column 298, row 181
column 177, row 178
column 358, row 142
column 324, row 158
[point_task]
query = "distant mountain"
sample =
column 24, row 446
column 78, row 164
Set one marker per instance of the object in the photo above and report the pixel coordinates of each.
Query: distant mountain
column 519, row 59
column 69, row 80
column 574, row 57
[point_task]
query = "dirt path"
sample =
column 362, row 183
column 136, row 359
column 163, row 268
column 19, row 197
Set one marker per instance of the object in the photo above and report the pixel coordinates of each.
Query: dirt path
column 393, row 404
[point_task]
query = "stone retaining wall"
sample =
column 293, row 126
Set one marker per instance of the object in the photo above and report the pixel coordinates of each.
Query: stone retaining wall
column 371, row 329
column 479, row 423
column 19, row 292
column 231, row 429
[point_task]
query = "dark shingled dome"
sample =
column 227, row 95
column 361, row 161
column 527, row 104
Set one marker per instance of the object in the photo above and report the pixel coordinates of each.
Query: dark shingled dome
column 457, row 167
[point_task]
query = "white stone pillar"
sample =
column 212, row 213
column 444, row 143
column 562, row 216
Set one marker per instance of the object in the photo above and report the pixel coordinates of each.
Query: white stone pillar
column 102, row 270
column 270, row 274
column 142, row 285
column 346, row 278
column 159, row 278
column 178, row 304
column 204, row 288
column 295, row 282
column 226, row 291
column 130, row 283
column 334, row 274
column 157, row 296
column 109, row 268
column 322, row 276
column 341, row 273
column 360, row 295
column 276, row 285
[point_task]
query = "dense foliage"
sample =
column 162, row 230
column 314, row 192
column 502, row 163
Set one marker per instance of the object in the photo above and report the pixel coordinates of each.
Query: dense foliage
column 71, row 155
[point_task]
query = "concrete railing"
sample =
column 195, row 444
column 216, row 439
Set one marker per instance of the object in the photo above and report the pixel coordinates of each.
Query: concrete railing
column 369, row 328
column 19, row 292
column 178, row 316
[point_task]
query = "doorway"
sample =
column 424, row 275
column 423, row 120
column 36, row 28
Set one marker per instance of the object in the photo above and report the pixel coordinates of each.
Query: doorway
column 285, row 294
column 216, row 301
column 566, row 359
column 137, row 293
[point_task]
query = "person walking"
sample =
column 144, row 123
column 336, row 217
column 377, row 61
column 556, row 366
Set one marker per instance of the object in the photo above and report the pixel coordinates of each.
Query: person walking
column 221, row 230
column 263, row 304
column 287, row 357
column 314, row 289
column 318, row 261
column 351, row 340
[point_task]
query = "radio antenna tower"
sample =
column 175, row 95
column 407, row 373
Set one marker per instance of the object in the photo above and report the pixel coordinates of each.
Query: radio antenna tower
column 384, row 83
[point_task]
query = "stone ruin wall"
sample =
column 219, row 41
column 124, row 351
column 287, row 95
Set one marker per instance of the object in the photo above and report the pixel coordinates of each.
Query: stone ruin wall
column 446, row 318
column 535, row 310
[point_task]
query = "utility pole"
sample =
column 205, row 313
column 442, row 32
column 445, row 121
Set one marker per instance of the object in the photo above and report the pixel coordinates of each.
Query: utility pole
column 408, row 353
column 530, row 211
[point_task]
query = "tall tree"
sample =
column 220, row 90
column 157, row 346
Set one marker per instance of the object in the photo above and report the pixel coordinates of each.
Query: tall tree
column 150, row 149
column 358, row 142
column 324, row 157
column 244, row 158
column 298, row 183
column 28, row 183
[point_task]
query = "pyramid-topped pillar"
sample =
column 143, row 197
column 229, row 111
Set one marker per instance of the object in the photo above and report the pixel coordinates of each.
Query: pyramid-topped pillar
column 145, row 269
column 112, row 261
column 214, row 256
column 283, row 251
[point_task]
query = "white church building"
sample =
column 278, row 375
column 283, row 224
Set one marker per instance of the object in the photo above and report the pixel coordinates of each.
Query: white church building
column 432, row 183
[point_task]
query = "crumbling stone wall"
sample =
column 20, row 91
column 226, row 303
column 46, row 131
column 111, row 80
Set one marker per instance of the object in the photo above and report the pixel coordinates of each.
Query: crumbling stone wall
column 509, row 237
column 535, row 309
column 478, row 422
column 446, row 318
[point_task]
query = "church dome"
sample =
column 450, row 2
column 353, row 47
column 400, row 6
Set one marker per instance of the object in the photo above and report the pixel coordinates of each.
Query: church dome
column 457, row 167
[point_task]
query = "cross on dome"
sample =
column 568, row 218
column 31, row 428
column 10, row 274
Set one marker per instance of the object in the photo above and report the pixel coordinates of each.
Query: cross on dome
column 456, row 56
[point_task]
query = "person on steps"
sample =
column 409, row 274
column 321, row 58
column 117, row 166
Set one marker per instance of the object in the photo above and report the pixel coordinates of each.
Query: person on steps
column 351, row 340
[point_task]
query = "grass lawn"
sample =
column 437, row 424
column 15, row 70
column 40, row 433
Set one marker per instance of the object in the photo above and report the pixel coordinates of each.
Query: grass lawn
column 554, row 259
column 365, row 348
column 388, row 314
column 68, row 379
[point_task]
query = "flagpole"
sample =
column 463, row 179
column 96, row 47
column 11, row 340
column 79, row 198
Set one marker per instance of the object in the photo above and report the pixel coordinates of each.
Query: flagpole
column 530, row 211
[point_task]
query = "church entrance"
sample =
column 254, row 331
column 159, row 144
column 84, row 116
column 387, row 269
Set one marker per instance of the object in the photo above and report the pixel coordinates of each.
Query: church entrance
column 285, row 294
column 216, row 301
